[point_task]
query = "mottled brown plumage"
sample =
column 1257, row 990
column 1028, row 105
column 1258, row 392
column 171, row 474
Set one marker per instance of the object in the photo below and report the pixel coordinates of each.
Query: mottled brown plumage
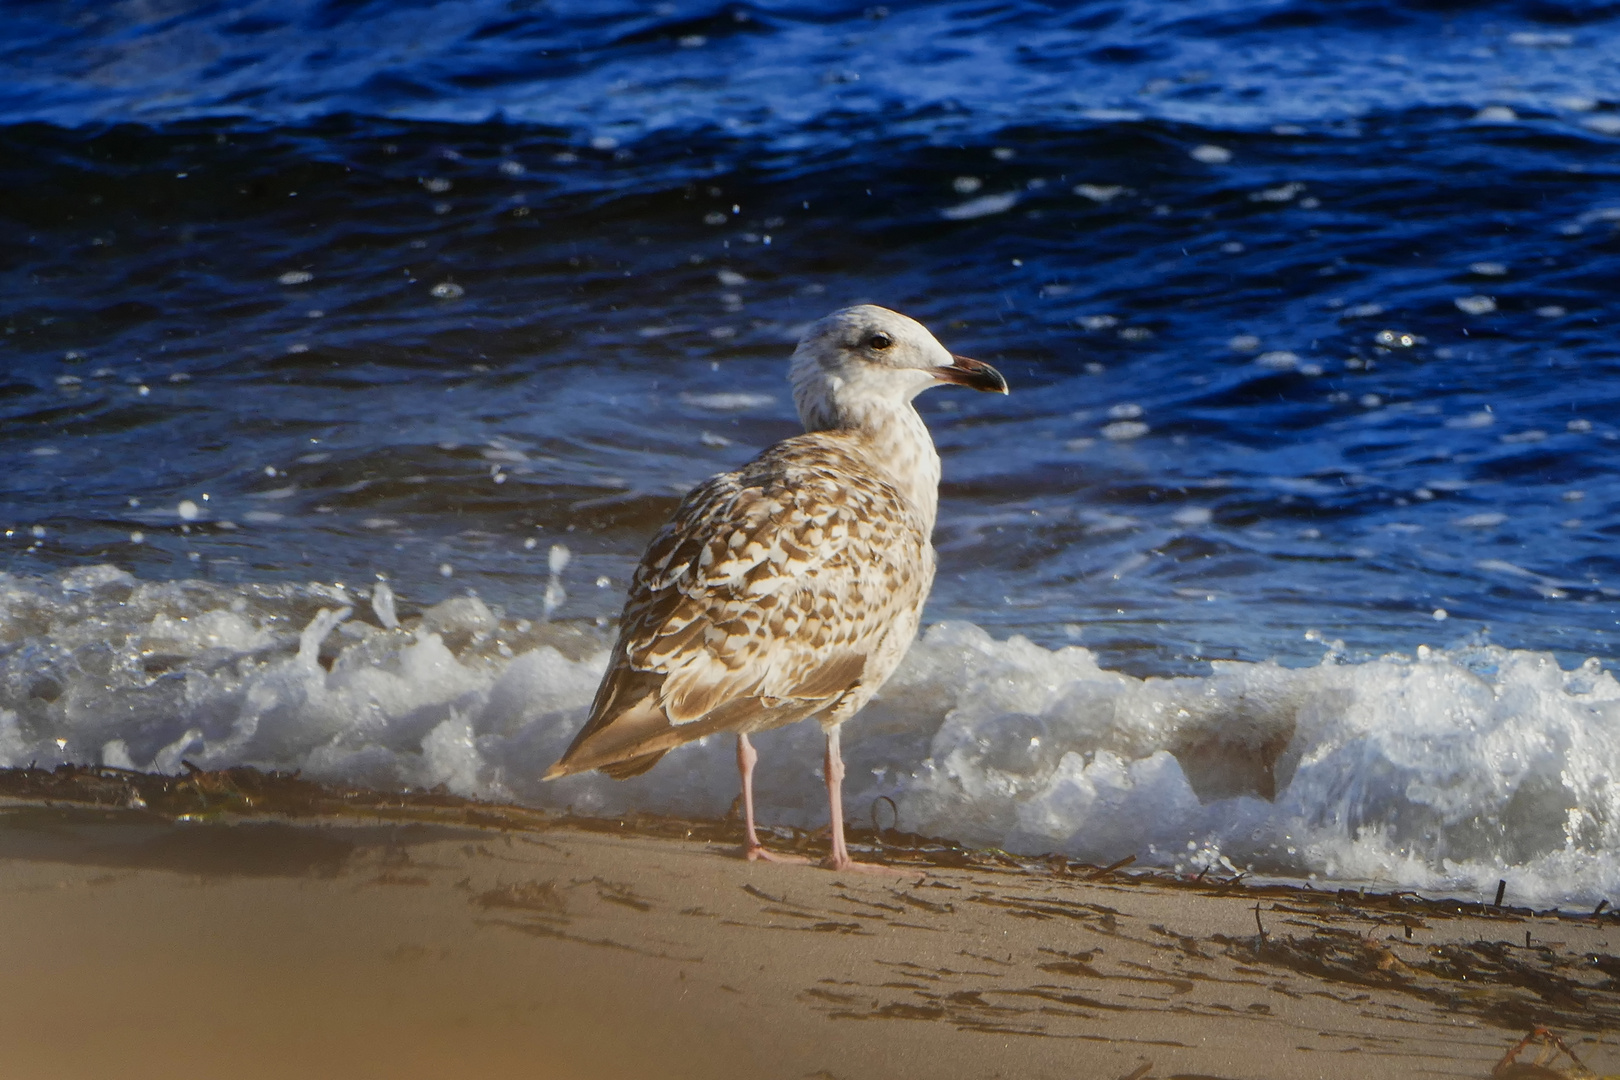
column 792, row 587
column 789, row 588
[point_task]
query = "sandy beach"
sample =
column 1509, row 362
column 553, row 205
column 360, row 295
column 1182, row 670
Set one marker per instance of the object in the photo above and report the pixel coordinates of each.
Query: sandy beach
column 296, row 932
column 400, row 400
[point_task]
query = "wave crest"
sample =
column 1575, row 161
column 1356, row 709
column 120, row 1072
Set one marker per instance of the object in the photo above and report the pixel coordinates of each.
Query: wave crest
column 1443, row 770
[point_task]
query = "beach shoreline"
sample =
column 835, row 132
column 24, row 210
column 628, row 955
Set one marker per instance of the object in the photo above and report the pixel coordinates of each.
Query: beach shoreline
column 267, row 922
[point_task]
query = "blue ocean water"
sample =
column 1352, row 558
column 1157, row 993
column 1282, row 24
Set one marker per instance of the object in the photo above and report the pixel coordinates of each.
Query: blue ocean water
column 1305, row 307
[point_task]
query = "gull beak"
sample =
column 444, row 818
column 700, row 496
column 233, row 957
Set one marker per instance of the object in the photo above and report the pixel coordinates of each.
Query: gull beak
column 977, row 374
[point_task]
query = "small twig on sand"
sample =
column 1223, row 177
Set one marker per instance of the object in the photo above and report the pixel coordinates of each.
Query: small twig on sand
column 1549, row 1040
column 1111, row 867
column 1138, row 1072
column 1599, row 909
column 1501, row 890
column 1258, row 925
column 877, row 830
column 763, row 895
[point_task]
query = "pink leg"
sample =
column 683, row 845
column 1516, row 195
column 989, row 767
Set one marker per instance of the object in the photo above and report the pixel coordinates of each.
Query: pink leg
column 753, row 850
column 838, row 858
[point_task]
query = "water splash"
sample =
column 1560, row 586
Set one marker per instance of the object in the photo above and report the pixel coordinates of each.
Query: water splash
column 1444, row 770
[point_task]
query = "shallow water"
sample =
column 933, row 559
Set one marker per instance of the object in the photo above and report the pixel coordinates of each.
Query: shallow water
column 1304, row 308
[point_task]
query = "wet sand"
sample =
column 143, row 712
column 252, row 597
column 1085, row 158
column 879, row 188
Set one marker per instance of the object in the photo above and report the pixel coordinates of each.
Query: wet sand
column 440, row 938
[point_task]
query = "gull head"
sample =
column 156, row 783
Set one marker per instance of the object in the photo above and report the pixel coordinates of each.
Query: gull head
column 866, row 360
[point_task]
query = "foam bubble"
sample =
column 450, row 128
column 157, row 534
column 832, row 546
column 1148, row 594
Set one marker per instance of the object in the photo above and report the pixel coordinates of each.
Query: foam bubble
column 558, row 558
column 1125, row 430
column 1280, row 194
column 983, row 206
column 1478, row 419
column 1278, row 359
column 736, row 401
column 1100, row 193
column 382, row 604
column 1541, row 39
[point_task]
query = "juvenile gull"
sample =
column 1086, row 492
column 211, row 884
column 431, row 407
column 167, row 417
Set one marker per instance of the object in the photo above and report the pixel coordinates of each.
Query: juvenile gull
column 792, row 587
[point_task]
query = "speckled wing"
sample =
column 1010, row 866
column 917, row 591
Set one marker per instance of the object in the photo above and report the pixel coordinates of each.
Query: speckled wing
column 763, row 601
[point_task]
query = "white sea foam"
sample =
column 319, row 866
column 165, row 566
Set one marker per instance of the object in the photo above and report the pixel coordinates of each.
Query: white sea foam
column 1210, row 154
column 723, row 401
column 983, row 206
column 1445, row 771
column 1100, row 193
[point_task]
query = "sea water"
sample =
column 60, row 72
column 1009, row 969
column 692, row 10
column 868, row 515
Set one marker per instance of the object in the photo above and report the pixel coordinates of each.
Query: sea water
column 350, row 354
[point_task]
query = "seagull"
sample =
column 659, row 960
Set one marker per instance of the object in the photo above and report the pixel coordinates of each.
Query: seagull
column 792, row 587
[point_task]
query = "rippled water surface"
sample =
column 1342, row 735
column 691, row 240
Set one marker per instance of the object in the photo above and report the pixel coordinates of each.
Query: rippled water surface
column 1306, row 306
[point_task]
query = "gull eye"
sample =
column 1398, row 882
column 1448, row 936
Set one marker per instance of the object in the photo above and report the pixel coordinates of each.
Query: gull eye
column 880, row 341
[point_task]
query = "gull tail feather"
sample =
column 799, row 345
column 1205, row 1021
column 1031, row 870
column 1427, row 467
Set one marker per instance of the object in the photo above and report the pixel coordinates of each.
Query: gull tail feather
column 640, row 733
column 626, row 712
column 635, row 766
column 630, row 730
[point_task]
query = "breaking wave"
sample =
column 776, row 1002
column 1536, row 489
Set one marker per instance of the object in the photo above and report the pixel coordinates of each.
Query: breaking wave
column 1444, row 770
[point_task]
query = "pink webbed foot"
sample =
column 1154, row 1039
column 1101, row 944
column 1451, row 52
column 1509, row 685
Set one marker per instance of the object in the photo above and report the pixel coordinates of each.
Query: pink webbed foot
column 847, row 863
column 760, row 853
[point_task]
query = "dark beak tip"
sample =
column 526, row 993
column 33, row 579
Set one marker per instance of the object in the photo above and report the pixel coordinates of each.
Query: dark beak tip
column 975, row 374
